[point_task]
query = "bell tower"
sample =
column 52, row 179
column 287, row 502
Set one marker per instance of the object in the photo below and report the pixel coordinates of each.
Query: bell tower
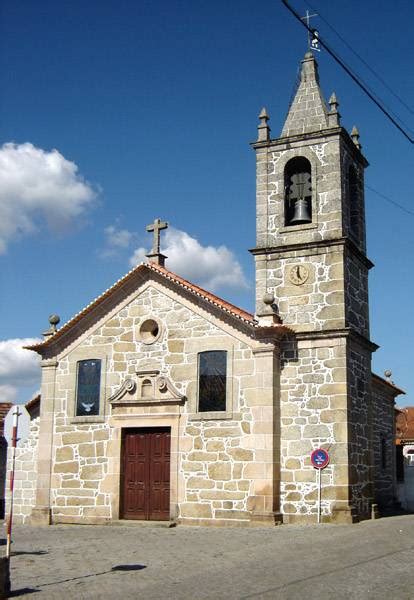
column 311, row 259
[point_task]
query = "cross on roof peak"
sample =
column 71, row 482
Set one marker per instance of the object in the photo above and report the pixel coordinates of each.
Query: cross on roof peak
column 155, row 255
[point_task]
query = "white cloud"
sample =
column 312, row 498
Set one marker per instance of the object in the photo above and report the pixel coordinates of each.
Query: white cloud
column 19, row 368
column 210, row 266
column 115, row 240
column 8, row 393
column 38, row 186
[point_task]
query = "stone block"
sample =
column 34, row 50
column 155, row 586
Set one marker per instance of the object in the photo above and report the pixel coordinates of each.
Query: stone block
column 124, row 347
column 333, row 416
column 215, row 446
column 199, row 483
column 317, row 402
column 192, row 466
column 76, row 437
column 97, row 511
column 127, row 337
column 245, row 427
column 91, row 472
column 66, row 467
column 175, row 346
column 222, row 432
column 259, row 396
column 292, row 432
column 191, row 430
column 243, row 367
column 237, row 470
column 198, row 443
column 293, row 496
column 86, row 450
column 331, row 389
column 240, row 454
column 219, row 471
column 305, row 476
column 231, row 514
column 80, row 501
column 222, row 495
column 70, row 483
column 299, row 448
column 202, row 456
column 193, row 510
column 64, row 454
column 316, row 431
column 111, row 331
column 292, row 463
column 340, row 431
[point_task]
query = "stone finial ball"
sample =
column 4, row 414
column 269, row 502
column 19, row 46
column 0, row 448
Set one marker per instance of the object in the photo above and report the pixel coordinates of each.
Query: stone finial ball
column 387, row 373
column 268, row 298
column 54, row 319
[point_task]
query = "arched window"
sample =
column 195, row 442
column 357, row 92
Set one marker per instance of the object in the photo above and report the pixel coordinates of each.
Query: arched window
column 353, row 202
column 298, row 191
column 88, row 387
column 212, row 374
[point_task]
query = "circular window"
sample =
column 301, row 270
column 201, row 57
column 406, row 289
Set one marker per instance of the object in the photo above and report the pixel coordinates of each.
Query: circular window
column 149, row 331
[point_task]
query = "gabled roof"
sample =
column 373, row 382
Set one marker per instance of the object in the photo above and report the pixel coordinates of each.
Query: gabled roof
column 137, row 274
column 392, row 388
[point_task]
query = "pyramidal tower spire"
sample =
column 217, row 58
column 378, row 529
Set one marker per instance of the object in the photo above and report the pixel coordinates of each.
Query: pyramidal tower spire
column 308, row 111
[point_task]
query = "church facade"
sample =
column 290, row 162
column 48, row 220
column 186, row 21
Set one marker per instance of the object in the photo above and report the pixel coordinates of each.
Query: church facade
column 161, row 401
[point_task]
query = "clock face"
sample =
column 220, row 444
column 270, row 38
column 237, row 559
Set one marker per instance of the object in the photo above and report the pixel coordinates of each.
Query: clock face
column 298, row 274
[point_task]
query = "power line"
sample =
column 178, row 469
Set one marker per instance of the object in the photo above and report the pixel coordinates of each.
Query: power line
column 351, row 74
column 388, row 199
column 364, row 62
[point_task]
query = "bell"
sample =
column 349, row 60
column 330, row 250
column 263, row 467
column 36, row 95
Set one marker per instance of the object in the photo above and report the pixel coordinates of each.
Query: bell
column 301, row 212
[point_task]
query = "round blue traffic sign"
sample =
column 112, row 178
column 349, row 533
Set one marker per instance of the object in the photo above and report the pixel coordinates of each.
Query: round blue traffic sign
column 319, row 458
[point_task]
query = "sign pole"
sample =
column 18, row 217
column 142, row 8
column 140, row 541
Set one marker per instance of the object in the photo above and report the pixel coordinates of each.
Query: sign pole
column 16, row 415
column 319, row 494
column 319, row 460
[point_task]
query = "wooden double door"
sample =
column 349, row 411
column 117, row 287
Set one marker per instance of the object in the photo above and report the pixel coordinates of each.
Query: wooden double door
column 145, row 477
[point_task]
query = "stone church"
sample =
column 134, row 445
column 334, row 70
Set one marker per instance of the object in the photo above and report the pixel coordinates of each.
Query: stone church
column 161, row 401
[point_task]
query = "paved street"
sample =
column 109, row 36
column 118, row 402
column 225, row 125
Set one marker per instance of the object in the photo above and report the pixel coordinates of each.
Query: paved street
column 373, row 559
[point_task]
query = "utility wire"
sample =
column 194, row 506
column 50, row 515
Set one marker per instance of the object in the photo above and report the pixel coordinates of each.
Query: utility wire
column 364, row 62
column 350, row 73
column 388, row 199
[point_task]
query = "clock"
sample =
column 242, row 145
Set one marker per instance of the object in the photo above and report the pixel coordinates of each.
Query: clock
column 298, row 274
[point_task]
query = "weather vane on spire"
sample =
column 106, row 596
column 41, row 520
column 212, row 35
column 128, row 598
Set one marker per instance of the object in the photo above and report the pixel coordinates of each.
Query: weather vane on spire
column 313, row 35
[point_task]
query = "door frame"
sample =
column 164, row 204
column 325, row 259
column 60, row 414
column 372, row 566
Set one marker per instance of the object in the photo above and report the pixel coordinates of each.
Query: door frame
column 124, row 432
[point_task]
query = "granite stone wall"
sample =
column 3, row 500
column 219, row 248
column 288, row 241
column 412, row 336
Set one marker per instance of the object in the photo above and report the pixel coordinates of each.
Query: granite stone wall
column 360, row 428
column 318, row 302
column 383, row 446
column 313, row 415
column 25, row 475
column 224, row 465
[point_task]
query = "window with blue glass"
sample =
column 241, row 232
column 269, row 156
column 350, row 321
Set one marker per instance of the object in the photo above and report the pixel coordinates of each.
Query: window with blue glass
column 212, row 374
column 88, row 387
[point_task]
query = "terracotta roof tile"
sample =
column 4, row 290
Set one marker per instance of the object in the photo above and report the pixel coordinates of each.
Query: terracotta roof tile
column 229, row 308
column 33, row 402
column 405, row 425
column 4, row 409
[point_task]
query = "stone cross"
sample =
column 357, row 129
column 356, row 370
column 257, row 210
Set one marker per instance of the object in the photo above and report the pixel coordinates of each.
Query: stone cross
column 312, row 39
column 156, row 227
column 155, row 254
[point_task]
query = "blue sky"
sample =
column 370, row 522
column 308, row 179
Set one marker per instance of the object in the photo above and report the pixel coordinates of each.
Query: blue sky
column 151, row 106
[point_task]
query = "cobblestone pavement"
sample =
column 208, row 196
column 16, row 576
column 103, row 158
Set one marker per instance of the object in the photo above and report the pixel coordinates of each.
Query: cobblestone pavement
column 373, row 559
